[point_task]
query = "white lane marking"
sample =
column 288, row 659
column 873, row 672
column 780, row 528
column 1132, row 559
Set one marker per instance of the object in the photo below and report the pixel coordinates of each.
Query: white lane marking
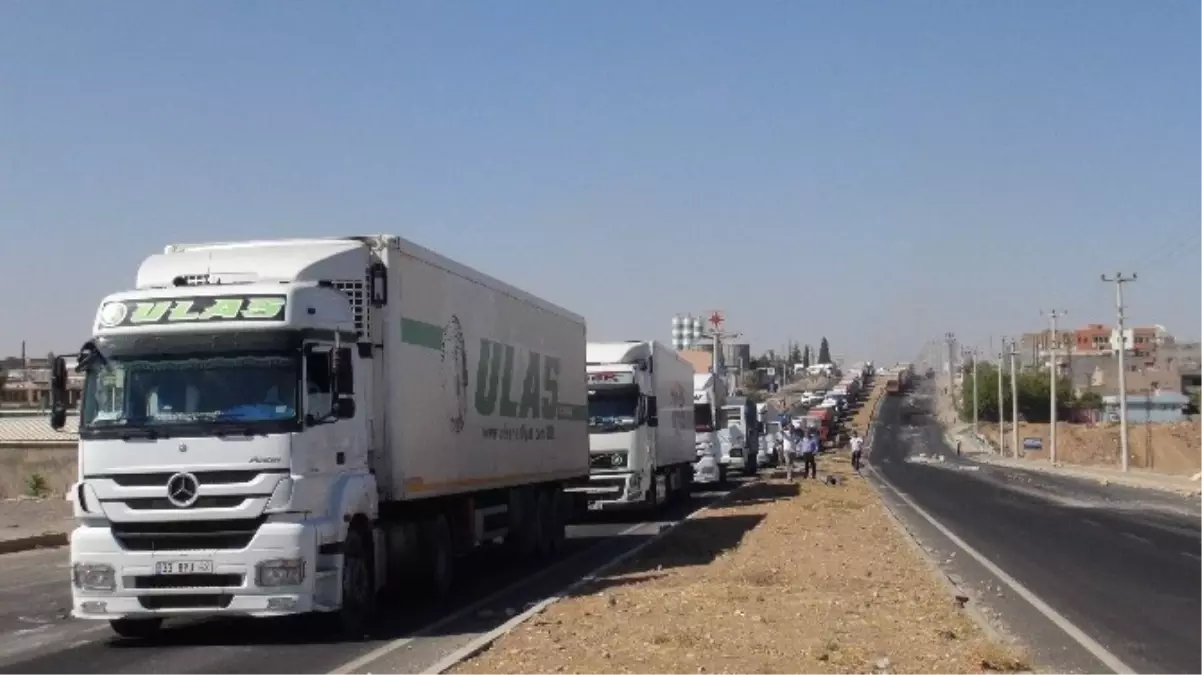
column 1136, row 537
column 388, row 648
column 473, row 647
column 1079, row 636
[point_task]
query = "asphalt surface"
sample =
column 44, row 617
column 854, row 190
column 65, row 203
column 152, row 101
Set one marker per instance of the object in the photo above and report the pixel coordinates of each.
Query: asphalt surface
column 37, row 635
column 1121, row 564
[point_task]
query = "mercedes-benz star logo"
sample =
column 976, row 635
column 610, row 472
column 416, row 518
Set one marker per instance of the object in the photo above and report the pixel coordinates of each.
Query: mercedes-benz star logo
column 183, row 490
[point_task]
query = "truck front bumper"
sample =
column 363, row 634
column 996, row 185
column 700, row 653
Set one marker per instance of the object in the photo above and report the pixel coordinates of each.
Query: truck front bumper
column 614, row 490
column 110, row 581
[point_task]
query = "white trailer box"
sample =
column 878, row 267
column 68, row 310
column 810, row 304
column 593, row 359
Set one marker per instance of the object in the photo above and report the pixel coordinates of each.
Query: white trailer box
column 297, row 423
column 640, row 425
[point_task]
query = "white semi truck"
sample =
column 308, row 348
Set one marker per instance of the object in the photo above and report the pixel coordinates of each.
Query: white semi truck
column 285, row 427
column 709, row 395
column 640, row 421
column 740, row 437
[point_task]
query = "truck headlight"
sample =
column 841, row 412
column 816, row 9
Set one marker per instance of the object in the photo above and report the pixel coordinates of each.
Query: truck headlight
column 94, row 577
column 280, row 572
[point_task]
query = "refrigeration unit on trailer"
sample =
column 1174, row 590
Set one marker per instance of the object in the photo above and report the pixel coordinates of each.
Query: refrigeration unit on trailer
column 285, row 427
column 740, row 435
column 640, row 422
column 709, row 395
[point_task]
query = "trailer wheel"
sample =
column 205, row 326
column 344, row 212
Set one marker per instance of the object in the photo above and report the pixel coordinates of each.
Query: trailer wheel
column 139, row 629
column 722, row 477
column 522, row 540
column 358, row 584
column 544, row 515
column 561, row 512
column 438, row 556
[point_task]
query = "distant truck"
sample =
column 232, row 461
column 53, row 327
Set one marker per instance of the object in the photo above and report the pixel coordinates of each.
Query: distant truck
column 709, row 396
column 286, row 427
column 893, row 384
column 740, row 438
column 640, row 420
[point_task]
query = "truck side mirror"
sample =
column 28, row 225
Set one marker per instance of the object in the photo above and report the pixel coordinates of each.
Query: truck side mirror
column 58, row 393
column 344, row 408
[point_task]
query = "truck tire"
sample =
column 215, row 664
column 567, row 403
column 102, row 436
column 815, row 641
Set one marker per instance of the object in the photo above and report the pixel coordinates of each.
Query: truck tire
column 649, row 497
column 522, row 539
column 138, row 629
column 686, row 482
column 561, row 513
column 437, row 556
column 722, row 477
column 358, row 585
column 749, row 466
column 544, row 511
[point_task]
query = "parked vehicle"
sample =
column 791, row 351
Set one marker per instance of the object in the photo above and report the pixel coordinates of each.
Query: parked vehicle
column 274, row 428
column 739, row 439
column 709, row 397
column 640, row 420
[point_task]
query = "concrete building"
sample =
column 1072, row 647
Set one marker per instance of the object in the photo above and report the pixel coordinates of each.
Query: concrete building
column 1152, row 409
column 25, row 383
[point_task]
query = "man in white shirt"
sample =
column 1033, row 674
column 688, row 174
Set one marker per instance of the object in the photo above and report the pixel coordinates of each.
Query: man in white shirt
column 857, row 450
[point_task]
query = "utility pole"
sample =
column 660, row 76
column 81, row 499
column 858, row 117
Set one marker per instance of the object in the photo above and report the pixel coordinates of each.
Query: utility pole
column 1001, row 400
column 1118, row 280
column 1013, row 352
column 975, row 398
column 950, row 339
column 1053, row 378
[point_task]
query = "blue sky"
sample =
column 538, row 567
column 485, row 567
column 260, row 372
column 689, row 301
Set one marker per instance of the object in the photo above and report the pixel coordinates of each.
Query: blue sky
column 875, row 172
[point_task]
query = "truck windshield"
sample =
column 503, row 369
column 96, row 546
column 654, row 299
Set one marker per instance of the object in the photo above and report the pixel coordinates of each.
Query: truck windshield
column 610, row 411
column 124, row 393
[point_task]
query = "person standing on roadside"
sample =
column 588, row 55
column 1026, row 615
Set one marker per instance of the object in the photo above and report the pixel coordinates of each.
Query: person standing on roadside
column 787, row 444
column 857, row 450
column 809, row 456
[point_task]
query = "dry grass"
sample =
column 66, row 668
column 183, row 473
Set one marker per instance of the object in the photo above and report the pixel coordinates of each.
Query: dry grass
column 786, row 578
column 1169, row 448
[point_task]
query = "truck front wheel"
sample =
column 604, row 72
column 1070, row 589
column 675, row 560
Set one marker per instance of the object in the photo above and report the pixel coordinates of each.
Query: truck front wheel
column 358, row 585
column 139, row 629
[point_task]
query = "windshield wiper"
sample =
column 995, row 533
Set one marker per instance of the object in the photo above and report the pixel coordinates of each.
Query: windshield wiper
column 226, row 428
column 141, row 432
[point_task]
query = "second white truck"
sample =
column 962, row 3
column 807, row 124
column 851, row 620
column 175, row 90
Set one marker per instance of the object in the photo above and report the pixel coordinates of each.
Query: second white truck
column 640, row 425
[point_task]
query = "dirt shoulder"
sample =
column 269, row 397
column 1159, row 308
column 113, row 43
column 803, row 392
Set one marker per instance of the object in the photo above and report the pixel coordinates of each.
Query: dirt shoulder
column 784, row 578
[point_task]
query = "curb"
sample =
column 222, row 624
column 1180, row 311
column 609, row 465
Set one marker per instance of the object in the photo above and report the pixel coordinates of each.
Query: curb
column 485, row 641
column 28, row 543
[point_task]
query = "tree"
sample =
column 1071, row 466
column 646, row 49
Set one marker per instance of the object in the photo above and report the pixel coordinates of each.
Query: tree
column 1191, row 408
column 795, row 354
column 1034, row 395
column 824, row 351
column 805, row 357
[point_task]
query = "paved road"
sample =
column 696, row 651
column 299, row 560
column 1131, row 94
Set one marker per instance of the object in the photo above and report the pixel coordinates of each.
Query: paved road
column 1124, row 571
column 36, row 635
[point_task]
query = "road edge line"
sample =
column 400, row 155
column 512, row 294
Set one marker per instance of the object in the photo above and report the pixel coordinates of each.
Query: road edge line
column 481, row 643
column 1059, row 620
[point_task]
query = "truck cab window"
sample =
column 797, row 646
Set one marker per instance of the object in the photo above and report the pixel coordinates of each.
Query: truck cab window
column 318, row 387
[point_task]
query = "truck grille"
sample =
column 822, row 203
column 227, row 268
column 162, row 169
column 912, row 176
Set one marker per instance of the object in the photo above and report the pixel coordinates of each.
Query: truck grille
column 191, row 601
column 162, row 503
column 232, row 534
column 233, row 477
column 606, row 461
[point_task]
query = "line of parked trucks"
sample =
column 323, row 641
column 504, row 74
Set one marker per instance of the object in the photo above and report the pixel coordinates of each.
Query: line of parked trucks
column 288, row 427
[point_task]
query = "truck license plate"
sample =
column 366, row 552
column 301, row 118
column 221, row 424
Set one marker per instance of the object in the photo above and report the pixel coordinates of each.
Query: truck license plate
column 594, row 506
column 184, row 567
